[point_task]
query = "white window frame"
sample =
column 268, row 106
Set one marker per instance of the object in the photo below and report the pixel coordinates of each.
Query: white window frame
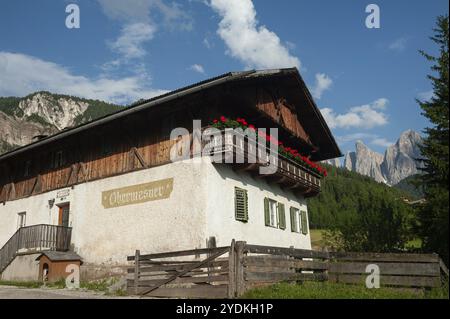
column 21, row 219
column 297, row 220
column 273, row 213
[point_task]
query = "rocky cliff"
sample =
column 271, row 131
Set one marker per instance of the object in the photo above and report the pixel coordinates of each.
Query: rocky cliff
column 398, row 162
column 22, row 120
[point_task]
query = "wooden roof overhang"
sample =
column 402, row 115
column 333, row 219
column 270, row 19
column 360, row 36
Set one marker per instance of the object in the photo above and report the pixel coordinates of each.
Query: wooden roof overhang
column 288, row 81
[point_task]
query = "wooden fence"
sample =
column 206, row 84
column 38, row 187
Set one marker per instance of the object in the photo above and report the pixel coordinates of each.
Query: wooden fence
column 401, row 270
column 228, row 272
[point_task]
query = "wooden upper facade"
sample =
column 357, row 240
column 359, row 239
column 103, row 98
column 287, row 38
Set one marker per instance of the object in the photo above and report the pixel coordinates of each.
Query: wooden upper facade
column 139, row 137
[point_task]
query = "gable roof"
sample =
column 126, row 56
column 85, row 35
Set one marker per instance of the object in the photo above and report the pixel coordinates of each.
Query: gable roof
column 60, row 256
column 327, row 144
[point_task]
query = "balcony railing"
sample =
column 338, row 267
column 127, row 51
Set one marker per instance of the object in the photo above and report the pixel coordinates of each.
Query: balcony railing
column 228, row 148
column 35, row 238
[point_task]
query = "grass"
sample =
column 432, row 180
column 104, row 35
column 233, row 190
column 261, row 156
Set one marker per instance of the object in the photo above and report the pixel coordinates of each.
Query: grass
column 326, row 290
column 97, row 285
column 317, row 238
column 23, row 284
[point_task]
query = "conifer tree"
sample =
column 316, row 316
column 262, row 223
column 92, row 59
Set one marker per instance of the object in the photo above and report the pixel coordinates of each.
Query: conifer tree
column 434, row 215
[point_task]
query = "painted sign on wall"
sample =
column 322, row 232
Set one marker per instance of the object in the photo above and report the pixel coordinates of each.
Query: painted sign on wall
column 137, row 194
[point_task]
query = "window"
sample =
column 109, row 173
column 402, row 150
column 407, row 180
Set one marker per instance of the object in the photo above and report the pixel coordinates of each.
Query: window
column 27, row 169
column 58, row 160
column 274, row 214
column 21, row 219
column 295, row 220
column 299, row 221
column 304, row 222
column 241, row 204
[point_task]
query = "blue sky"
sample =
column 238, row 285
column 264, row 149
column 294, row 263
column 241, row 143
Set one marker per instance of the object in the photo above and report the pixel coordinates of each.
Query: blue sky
column 364, row 80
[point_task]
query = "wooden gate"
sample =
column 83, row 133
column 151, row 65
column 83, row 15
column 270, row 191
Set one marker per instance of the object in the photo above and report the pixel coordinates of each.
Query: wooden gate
column 180, row 274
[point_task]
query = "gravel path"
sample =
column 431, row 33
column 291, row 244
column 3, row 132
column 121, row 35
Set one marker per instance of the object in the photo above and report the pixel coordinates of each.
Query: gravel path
column 9, row 292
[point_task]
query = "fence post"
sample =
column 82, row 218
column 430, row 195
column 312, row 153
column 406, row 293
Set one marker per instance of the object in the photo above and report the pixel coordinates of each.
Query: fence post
column 232, row 271
column 327, row 260
column 136, row 272
column 240, row 280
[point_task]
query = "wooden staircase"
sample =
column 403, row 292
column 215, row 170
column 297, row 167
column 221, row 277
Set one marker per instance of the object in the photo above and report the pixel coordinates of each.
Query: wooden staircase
column 35, row 238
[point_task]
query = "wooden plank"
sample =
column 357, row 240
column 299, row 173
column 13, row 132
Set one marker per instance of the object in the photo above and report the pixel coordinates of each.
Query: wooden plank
column 205, row 291
column 385, row 257
column 283, row 276
column 268, row 261
column 240, row 273
column 192, row 267
column 136, row 271
column 167, row 262
column 232, row 270
column 298, row 253
column 413, row 269
column 443, row 267
column 178, row 267
column 400, row 281
column 193, row 273
column 181, row 253
column 182, row 280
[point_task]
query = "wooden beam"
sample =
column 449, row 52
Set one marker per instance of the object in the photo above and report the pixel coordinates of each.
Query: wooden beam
column 72, row 170
column 83, row 172
column 11, row 192
column 139, row 157
column 34, row 184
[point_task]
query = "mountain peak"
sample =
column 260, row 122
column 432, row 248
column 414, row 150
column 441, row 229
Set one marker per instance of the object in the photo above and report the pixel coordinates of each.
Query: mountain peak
column 398, row 162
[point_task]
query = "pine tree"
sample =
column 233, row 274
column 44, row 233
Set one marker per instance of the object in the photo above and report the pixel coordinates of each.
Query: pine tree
column 434, row 215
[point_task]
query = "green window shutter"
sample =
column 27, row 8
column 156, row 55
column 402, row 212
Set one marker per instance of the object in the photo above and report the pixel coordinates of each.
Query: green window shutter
column 266, row 212
column 293, row 211
column 281, row 216
column 304, row 223
column 241, row 204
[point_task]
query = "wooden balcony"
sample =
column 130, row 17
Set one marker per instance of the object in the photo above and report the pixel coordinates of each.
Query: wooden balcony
column 249, row 156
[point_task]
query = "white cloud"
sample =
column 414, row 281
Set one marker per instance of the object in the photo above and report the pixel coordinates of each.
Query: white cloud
column 132, row 38
column 207, row 43
column 380, row 104
column 399, row 44
column 381, row 142
column 197, row 68
column 425, row 96
column 372, row 139
column 251, row 43
column 323, row 83
column 365, row 116
column 141, row 11
column 22, row 74
column 139, row 24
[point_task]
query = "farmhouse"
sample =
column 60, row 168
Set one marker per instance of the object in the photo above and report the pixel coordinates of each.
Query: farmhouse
column 108, row 187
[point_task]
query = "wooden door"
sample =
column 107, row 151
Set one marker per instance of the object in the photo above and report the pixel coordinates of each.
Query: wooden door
column 63, row 219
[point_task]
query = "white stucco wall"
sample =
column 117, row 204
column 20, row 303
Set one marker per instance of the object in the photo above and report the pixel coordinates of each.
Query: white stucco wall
column 109, row 235
column 22, row 268
column 201, row 205
column 222, row 224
